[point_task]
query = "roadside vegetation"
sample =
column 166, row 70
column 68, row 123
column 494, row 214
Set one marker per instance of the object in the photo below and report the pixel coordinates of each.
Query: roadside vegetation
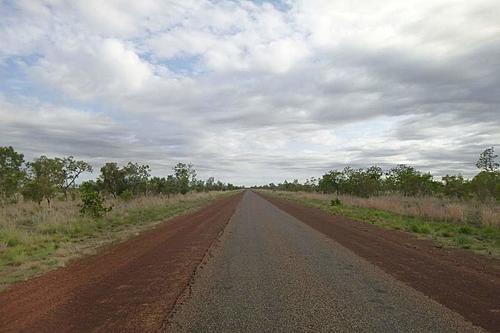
column 484, row 239
column 453, row 211
column 47, row 218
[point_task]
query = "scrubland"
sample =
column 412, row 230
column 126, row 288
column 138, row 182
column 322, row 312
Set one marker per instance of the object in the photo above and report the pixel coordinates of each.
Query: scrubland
column 36, row 238
column 467, row 224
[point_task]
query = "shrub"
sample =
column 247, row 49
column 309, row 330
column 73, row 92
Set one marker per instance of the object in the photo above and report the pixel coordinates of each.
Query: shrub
column 126, row 195
column 336, row 202
column 466, row 230
column 92, row 201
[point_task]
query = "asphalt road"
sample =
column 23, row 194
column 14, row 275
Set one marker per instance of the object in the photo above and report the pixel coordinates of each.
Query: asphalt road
column 273, row 273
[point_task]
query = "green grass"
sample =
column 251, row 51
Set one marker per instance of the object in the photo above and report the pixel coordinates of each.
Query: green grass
column 28, row 249
column 479, row 239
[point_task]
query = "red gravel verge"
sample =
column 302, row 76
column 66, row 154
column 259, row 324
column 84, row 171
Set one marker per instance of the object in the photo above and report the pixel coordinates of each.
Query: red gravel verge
column 464, row 282
column 132, row 286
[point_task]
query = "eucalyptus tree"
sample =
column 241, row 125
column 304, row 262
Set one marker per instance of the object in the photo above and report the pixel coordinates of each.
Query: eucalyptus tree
column 72, row 169
column 45, row 178
column 12, row 173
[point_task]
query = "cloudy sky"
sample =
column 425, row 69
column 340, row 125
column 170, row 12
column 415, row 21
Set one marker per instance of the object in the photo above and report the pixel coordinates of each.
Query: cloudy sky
column 252, row 91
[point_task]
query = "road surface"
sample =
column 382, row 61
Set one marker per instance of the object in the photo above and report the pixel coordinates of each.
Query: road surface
column 273, row 273
column 246, row 264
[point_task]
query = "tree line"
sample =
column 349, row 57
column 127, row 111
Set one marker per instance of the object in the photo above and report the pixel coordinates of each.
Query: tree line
column 406, row 180
column 44, row 179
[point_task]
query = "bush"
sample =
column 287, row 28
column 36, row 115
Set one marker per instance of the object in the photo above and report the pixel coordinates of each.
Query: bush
column 92, row 201
column 126, row 195
column 336, row 202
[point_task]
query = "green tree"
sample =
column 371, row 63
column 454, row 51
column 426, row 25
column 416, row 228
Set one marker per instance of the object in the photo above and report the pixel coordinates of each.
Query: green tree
column 72, row 169
column 329, row 182
column 455, row 186
column 219, row 186
column 486, row 185
column 199, row 185
column 486, row 160
column 310, row 185
column 136, row 177
column 46, row 177
column 370, row 181
column 158, row 185
column 171, row 185
column 11, row 172
column 209, row 184
column 184, row 175
column 409, row 181
column 112, row 179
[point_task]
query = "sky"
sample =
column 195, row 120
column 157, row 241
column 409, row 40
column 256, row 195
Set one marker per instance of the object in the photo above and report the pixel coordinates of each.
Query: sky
column 252, row 92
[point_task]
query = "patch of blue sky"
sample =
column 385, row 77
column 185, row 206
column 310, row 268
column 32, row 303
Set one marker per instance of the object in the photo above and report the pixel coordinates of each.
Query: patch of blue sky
column 281, row 5
column 8, row 5
column 184, row 64
column 14, row 80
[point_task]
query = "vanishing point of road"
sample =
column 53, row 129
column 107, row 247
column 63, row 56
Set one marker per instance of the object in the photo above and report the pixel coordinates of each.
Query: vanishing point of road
column 241, row 265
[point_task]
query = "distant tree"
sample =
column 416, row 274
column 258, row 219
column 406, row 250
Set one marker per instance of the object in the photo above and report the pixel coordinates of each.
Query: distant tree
column 198, row 185
column 455, row 186
column 219, row 186
column 329, row 182
column 171, row 185
column 209, row 184
column 11, row 172
column 46, row 177
column 184, row 174
column 112, row 179
column 409, row 181
column 72, row 169
column 311, row 184
column 486, row 160
column 157, row 185
column 136, row 177
column 371, row 181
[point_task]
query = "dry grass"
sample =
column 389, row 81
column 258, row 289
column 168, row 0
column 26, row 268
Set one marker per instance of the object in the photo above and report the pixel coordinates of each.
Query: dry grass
column 29, row 215
column 448, row 210
column 472, row 226
column 34, row 238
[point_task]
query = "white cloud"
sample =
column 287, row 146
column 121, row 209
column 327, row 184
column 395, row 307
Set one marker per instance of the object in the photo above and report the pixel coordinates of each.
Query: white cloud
column 256, row 92
column 92, row 68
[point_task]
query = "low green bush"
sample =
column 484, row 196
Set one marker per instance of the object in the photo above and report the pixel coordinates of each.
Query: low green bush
column 336, row 202
column 92, row 201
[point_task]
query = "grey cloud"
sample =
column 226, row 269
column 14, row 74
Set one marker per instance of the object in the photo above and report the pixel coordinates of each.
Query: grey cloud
column 441, row 110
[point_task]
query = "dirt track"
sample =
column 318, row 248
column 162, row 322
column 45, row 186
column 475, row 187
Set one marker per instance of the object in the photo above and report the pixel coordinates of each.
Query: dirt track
column 271, row 268
column 131, row 287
